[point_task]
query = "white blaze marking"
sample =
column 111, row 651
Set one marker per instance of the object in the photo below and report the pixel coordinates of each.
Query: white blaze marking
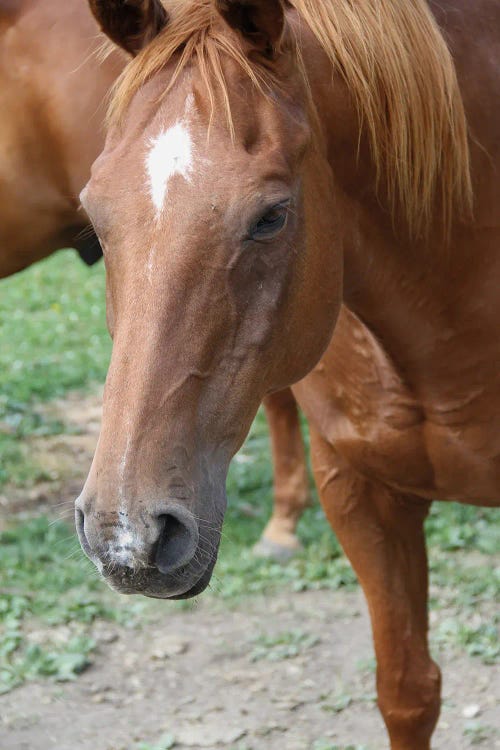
column 122, row 549
column 124, row 536
column 170, row 153
column 151, row 263
column 121, row 473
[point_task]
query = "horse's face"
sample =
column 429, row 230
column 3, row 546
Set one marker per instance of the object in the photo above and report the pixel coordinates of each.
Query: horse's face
column 218, row 292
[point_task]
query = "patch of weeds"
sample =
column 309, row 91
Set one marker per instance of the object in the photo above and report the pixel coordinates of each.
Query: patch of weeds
column 369, row 665
column 461, row 584
column 285, row 645
column 18, row 422
column 339, row 699
column 454, row 527
column 461, row 588
column 52, row 329
column 51, row 340
column 239, row 573
column 45, row 579
column 164, row 743
column 16, row 465
column 479, row 640
column 340, row 702
column 478, row 733
column 322, row 744
column 63, row 664
column 44, row 571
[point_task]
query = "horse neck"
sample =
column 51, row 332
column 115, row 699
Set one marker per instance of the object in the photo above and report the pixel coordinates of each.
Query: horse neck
column 371, row 231
column 398, row 285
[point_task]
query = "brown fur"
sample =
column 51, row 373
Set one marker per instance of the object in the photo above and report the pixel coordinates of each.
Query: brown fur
column 48, row 143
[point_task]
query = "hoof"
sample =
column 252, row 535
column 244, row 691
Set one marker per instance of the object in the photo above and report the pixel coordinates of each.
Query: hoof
column 274, row 551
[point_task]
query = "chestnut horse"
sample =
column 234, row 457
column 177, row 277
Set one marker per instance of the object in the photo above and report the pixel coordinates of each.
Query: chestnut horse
column 52, row 105
column 48, row 144
column 275, row 171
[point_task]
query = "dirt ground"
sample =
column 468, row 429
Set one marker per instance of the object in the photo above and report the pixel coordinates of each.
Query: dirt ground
column 206, row 676
column 193, row 674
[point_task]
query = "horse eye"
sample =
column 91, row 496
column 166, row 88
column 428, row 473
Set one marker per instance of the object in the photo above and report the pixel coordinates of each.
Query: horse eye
column 270, row 223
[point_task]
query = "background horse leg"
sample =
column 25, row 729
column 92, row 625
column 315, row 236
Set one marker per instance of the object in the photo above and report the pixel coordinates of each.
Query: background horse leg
column 381, row 531
column 291, row 484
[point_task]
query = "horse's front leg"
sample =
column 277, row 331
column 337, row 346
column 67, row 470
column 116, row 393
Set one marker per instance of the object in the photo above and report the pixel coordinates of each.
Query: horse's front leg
column 291, row 485
column 382, row 533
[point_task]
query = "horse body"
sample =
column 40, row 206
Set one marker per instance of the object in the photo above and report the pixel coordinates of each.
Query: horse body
column 52, row 99
column 276, row 185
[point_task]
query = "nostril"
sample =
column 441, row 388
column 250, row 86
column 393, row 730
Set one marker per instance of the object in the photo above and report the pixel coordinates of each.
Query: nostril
column 80, row 528
column 176, row 545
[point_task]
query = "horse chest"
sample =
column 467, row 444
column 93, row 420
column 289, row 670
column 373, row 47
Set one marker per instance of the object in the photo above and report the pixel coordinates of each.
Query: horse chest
column 358, row 401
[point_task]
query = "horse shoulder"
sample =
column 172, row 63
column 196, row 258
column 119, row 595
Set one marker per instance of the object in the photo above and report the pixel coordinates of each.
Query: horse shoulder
column 359, row 402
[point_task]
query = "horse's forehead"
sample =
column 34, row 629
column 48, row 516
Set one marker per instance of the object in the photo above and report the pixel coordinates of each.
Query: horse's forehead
column 170, row 151
column 168, row 148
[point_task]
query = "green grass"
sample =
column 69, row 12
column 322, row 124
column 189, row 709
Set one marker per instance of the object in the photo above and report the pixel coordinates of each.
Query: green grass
column 164, row 743
column 285, row 645
column 52, row 329
column 53, row 339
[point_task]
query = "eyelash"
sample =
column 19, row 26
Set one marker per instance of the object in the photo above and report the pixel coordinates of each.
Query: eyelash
column 271, row 223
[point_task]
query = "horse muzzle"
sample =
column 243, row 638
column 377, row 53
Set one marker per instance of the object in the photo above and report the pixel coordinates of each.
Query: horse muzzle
column 159, row 555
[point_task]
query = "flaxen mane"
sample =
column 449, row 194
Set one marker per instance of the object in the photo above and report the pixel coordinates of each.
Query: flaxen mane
column 393, row 59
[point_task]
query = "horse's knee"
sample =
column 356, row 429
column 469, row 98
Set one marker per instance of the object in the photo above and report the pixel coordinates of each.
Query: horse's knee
column 410, row 704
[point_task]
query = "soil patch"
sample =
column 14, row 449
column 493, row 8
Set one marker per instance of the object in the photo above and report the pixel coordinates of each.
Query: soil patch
column 215, row 677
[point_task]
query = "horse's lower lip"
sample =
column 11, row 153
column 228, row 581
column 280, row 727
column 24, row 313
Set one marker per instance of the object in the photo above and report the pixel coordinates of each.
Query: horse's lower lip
column 198, row 587
column 194, row 590
column 156, row 588
column 154, row 591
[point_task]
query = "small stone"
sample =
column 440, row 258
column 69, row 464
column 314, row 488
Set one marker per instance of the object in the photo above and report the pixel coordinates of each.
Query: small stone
column 471, row 711
column 105, row 635
column 167, row 647
column 130, row 660
column 185, row 702
column 308, row 684
column 257, row 687
column 206, row 735
column 99, row 698
column 265, row 729
column 98, row 687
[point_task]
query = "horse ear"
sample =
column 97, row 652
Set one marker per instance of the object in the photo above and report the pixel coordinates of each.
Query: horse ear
column 261, row 22
column 130, row 23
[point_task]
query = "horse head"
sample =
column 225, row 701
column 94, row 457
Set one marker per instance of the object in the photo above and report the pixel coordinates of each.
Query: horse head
column 212, row 201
